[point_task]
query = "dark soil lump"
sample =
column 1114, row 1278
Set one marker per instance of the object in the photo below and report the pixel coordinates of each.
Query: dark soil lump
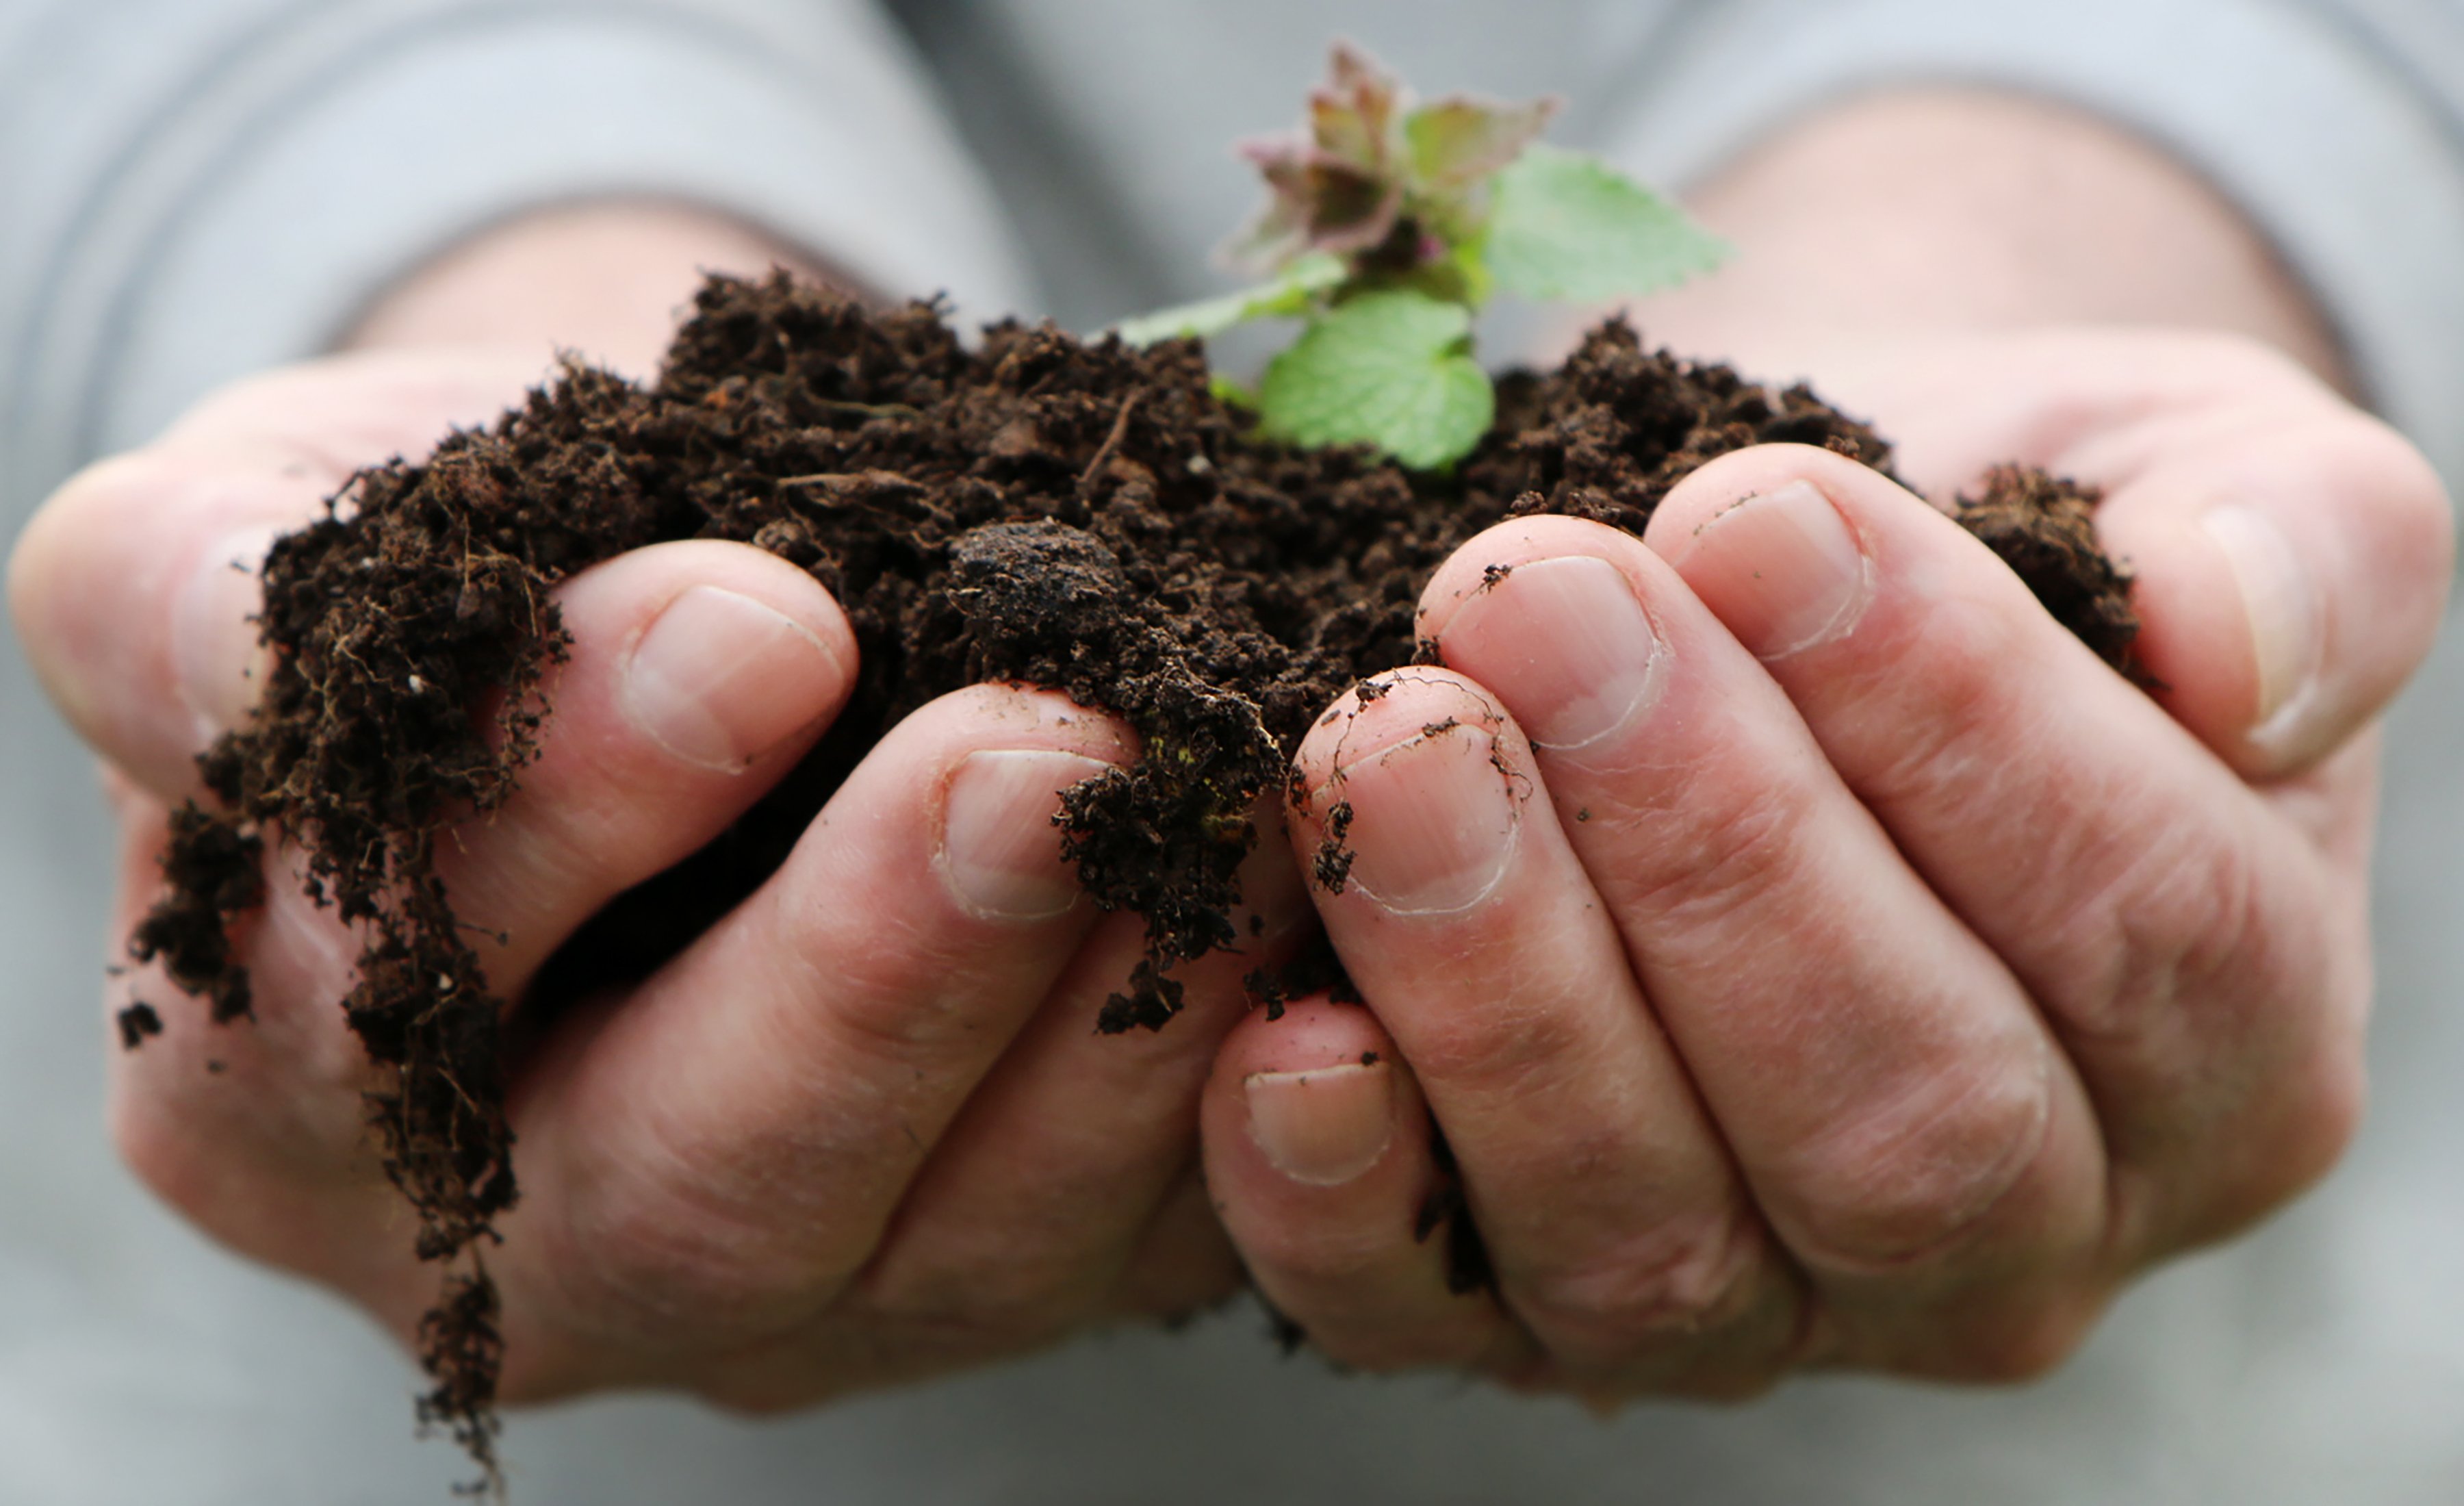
column 1081, row 516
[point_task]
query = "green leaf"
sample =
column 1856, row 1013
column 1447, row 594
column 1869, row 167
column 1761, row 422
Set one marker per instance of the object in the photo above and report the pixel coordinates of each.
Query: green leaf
column 1390, row 369
column 1288, row 295
column 1564, row 225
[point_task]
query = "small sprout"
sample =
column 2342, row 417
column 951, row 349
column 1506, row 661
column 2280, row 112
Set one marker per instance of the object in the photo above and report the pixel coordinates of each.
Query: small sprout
column 1391, row 369
column 1388, row 224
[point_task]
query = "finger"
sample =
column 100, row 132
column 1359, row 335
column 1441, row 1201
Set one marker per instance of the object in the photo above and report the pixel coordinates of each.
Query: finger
column 2292, row 553
column 699, row 673
column 2289, row 580
column 1620, row 1233
column 132, row 588
column 712, row 1158
column 1023, row 1224
column 2183, row 942
column 1903, row 1117
column 1318, row 1158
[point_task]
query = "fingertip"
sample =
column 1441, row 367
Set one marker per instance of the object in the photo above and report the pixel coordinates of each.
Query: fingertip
column 992, row 762
column 725, row 656
column 1306, row 1034
column 697, row 672
column 1490, row 559
column 998, row 854
column 2285, row 599
column 1696, row 504
column 1385, row 710
column 51, row 612
column 1435, row 776
column 1315, row 1093
column 1559, row 616
column 133, row 590
column 2197, row 646
column 1318, row 1147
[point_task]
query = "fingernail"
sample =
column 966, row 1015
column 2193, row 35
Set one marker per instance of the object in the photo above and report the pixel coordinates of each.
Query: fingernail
column 718, row 679
column 2287, row 635
column 1323, row 1127
column 1781, row 570
column 1000, row 854
column 215, row 647
column 1579, row 658
column 1433, row 821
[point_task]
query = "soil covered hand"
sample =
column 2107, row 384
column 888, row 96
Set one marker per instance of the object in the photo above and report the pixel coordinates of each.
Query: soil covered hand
column 862, row 1131
column 1810, row 954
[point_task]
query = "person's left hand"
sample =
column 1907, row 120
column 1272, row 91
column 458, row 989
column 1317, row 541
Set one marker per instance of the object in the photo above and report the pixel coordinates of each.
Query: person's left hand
column 1812, row 954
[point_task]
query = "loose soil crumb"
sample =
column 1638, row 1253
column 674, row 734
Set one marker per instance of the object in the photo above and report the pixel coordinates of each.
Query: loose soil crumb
column 1083, row 517
column 136, row 1022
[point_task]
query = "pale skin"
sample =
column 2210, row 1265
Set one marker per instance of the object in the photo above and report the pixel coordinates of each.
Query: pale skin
column 1813, row 954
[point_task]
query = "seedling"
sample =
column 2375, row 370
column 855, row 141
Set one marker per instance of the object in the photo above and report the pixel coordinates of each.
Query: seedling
column 1388, row 224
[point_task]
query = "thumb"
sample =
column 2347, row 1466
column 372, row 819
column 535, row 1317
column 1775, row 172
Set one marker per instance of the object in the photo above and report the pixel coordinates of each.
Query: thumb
column 132, row 588
column 2286, row 593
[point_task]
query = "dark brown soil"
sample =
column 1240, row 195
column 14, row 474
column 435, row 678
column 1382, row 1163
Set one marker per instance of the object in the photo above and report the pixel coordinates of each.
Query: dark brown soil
column 1083, row 516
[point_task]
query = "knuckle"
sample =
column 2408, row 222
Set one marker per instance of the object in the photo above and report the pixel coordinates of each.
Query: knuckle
column 1684, row 1278
column 1951, row 708
column 2171, row 908
column 2311, row 1114
column 1738, row 844
column 1520, row 1041
column 899, row 997
column 1921, row 1176
column 650, row 1263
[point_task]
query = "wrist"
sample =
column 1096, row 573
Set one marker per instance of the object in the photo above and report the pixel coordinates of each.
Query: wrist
column 1936, row 211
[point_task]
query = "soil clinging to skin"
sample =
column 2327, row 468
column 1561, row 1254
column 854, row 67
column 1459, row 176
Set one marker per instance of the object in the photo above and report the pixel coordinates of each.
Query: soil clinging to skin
column 1080, row 516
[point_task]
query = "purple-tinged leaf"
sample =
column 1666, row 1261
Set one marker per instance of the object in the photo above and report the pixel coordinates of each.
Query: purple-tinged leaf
column 1349, row 209
column 1459, row 140
column 1352, row 118
column 1316, row 202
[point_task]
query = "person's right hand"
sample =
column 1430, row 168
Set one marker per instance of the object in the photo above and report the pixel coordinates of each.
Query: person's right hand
column 862, row 1131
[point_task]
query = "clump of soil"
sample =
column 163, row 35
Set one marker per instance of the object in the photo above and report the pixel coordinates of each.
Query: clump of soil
column 1085, row 517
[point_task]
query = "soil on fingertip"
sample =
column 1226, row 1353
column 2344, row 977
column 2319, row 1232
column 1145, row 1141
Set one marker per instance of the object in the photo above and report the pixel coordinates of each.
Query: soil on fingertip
column 1076, row 514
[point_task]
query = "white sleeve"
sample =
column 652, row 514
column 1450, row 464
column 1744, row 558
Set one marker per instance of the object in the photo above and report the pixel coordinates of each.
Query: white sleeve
column 2338, row 128
column 192, row 190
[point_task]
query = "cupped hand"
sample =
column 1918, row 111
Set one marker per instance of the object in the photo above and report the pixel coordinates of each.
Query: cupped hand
column 1810, row 954
column 861, row 1131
